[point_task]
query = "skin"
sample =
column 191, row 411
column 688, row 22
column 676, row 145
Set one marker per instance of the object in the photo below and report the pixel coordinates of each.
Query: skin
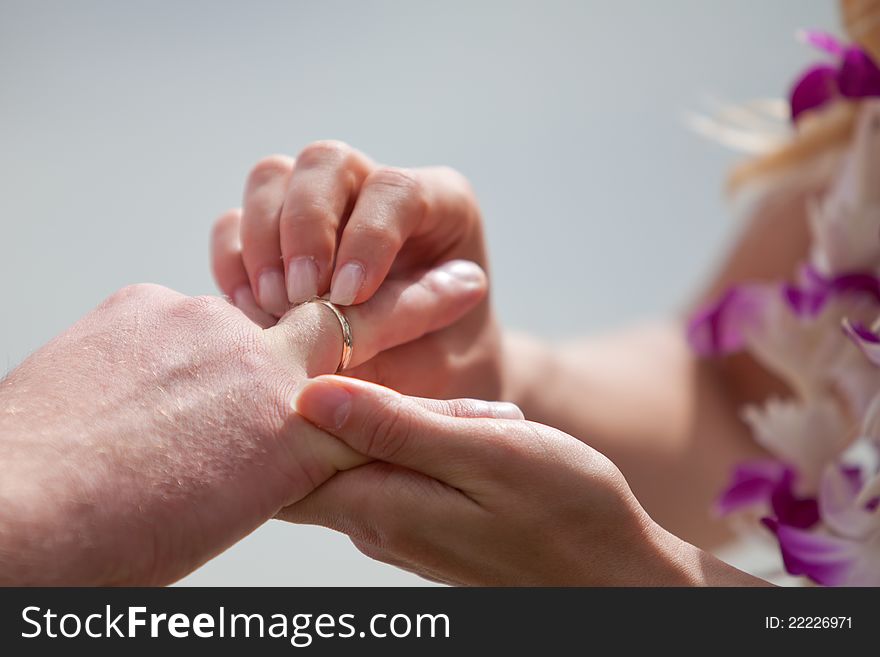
column 333, row 206
column 191, row 442
column 158, row 430
column 487, row 502
column 687, row 425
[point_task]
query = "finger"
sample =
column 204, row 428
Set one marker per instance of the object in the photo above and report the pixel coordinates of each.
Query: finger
column 347, row 502
column 228, row 267
column 471, row 408
column 387, row 426
column 400, row 312
column 406, row 310
column 320, row 193
column 261, row 252
column 393, row 206
column 390, row 510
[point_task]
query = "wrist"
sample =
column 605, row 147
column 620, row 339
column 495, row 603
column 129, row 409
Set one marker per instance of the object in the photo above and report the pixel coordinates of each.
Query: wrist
column 675, row 562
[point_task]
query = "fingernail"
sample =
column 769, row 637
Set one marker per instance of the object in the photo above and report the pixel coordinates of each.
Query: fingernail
column 273, row 297
column 302, row 279
column 243, row 299
column 464, row 271
column 324, row 404
column 347, row 283
column 507, row 411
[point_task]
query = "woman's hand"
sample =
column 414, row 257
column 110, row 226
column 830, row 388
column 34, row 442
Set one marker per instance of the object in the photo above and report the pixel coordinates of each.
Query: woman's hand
column 158, row 430
column 473, row 494
column 334, row 221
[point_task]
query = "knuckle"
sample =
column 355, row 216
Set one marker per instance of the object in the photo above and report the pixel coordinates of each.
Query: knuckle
column 460, row 182
column 465, row 198
column 224, row 222
column 322, row 152
column 208, row 312
column 466, row 407
column 387, row 430
column 378, row 238
column 310, row 216
column 268, row 169
column 605, row 470
column 401, row 180
column 139, row 292
column 405, row 185
column 456, row 178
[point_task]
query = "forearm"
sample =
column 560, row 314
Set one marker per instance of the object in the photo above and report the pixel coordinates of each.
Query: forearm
column 591, row 384
column 46, row 521
column 639, row 396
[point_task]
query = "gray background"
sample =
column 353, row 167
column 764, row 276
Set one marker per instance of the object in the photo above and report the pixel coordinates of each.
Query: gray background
column 128, row 126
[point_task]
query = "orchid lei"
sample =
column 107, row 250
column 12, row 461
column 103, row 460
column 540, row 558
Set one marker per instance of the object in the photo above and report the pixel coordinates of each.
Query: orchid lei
column 819, row 494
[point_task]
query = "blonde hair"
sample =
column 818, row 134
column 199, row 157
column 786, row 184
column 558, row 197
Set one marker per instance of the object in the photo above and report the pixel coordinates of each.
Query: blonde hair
column 861, row 19
column 825, row 130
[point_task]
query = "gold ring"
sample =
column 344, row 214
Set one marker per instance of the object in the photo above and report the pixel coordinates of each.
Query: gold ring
column 347, row 341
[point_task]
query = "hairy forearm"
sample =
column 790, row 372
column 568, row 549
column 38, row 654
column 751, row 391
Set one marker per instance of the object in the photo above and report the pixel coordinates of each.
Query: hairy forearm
column 639, row 396
column 44, row 529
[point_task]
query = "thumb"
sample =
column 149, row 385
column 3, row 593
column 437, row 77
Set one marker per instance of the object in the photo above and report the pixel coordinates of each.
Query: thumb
column 473, row 408
column 428, row 436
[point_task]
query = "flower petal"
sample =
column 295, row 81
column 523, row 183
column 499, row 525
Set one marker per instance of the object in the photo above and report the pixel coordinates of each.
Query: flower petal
column 752, row 483
column 806, row 350
column 839, row 507
column 858, row 76
column 816, row 87
column 808, row 298
column 822, row 41
column 806, row 435
column 866, row 339
column 825, row 559
column 845, row 222
column 768, row 483
column 721, row 328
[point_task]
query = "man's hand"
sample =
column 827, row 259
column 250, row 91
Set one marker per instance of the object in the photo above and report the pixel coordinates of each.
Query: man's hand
column 158, row 430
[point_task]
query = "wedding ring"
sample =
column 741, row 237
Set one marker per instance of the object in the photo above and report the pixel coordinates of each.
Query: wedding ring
column 347, row 342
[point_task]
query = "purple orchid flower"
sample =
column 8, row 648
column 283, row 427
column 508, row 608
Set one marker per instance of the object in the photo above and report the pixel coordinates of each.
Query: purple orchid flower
column 854, row 75
column 808, row 298
column 721, row 328
column 771, row 483
column 824, row 515
column 846, row 552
